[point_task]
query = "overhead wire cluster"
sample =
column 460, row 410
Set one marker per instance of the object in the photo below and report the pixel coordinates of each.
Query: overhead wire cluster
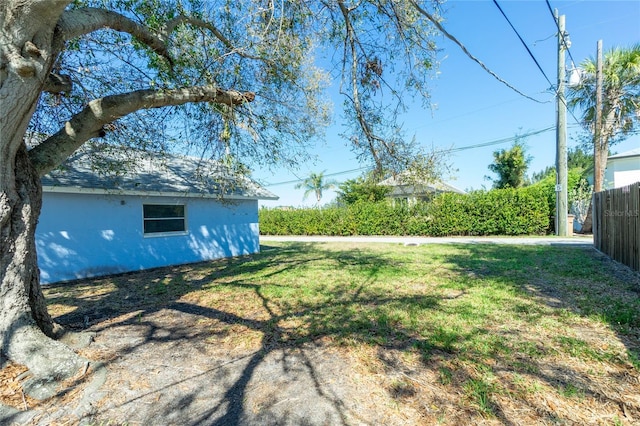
column 523, row 43
column 567, row 46
column 563, row 35
column 565, row 43
column 437, row 23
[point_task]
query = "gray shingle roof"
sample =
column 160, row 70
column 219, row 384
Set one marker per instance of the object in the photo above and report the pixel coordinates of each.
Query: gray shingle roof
column 105, row 169
column 631, row 153
column 406, row 187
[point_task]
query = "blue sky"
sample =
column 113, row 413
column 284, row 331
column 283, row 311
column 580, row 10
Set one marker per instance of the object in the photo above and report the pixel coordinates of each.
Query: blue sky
column 470, row 107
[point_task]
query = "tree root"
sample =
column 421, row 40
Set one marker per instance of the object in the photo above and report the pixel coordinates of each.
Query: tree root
column 50, row 362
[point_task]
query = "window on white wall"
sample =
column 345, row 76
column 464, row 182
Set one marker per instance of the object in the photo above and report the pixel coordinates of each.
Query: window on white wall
column 163, row 218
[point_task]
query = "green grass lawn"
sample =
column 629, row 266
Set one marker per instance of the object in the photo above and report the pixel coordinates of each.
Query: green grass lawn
column 500, row 333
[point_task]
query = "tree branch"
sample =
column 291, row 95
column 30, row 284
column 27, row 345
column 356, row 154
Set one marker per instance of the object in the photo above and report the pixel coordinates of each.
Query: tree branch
column 78, row 22
column 171, row 26
column 351, row 41
column 58, row 83
column 89, row 122
column 196, row 22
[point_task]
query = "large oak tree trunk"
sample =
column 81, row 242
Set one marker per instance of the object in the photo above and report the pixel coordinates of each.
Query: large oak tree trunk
column 26, row 328
column 27, row 331
column 26, row 58
column 19, row 261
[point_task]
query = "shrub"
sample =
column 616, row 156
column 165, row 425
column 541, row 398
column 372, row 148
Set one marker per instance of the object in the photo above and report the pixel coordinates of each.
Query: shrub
column 507, row 211
column 523, row 211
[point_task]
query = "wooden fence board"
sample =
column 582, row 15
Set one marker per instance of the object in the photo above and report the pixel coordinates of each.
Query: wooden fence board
column 616, row 224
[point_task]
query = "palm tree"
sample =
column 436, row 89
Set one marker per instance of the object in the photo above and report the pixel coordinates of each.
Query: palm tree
column 620, row 100
column 315, row 183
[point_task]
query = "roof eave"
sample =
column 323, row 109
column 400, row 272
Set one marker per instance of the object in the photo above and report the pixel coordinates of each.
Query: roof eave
column 99, row 191
column 622, row 157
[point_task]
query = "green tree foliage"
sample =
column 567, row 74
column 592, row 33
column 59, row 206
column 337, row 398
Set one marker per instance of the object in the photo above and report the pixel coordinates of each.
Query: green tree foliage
column 361, row 189
column 315, row 184
column 621, row 100
column 577, row 159
column 269, row 50
column 511, row 166
column 538, row 176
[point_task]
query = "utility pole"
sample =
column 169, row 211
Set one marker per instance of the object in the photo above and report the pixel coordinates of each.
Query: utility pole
column 597, row 130
column 561, row 135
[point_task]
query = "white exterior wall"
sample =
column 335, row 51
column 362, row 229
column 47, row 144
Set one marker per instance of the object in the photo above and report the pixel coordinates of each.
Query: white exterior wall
column 622, row 172
column 84, row 235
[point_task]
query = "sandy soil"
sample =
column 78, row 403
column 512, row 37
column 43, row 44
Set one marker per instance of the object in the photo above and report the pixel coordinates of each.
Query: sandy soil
column 165, row 368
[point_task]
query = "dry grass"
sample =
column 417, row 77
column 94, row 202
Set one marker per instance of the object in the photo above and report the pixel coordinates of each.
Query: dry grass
column 477, row 334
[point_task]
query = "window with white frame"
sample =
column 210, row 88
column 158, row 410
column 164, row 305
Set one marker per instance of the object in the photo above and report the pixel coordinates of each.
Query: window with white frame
column 163, row 218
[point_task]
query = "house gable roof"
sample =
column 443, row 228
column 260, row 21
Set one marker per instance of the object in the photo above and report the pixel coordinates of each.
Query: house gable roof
column 631, row 153
column 406, row 187
column 109, row 170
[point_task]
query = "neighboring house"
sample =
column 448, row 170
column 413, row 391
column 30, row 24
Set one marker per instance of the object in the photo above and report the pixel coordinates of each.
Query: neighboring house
column 406, row 190
column 169, row 210
column 622, row 169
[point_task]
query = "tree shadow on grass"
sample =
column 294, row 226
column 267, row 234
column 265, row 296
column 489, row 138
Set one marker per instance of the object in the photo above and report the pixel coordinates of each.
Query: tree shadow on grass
column 260, row 294
column 575, row 289
column 93, row 300
column 575, row 279
column 287, row 329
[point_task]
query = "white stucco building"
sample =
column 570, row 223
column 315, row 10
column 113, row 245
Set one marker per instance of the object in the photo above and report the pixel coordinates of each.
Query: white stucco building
column 622, row 169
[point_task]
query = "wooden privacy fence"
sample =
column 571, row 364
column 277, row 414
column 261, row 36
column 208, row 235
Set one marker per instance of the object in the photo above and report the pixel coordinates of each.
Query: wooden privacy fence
column 616, row 224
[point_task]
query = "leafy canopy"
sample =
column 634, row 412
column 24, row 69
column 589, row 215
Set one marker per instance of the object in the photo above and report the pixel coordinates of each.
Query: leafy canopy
column 511, row 166
column 382, row 55
column 361, row 189
column 577, row 159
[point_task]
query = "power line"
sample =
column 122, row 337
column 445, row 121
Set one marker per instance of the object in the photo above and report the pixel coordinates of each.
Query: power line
column 453, row 117
column 566, row 46
column 501, row 141
column 438, row 25
column 564, row 41
column 462, row 148
column 327, row 175
column 534, row 58
column 523, row 43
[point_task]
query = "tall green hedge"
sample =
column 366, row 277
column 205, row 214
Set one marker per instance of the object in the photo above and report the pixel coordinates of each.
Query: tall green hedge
column 522, row 211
